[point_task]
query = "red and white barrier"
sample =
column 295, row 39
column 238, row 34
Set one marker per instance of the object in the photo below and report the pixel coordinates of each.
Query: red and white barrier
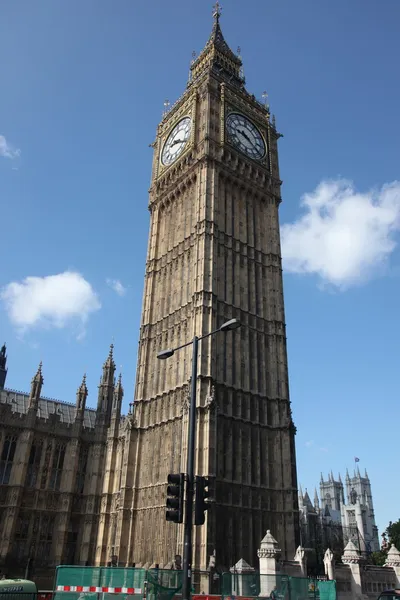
column 98, row 590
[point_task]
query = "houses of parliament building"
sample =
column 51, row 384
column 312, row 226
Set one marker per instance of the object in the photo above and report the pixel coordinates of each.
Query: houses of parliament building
column 84, row 486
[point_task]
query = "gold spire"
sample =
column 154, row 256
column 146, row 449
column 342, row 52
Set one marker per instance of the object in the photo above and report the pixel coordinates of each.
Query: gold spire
column 217, row 9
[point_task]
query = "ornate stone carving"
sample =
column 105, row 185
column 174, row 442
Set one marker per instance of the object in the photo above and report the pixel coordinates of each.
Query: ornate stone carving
column 299, row 556
column 116, row 501
column 393, row 557
column 185, row 400
column 211, row 402
column 269, row 547
column 351, row 554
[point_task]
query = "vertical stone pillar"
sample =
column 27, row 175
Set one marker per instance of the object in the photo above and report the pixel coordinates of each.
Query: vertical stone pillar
column 352, row 558
column 95, row 471
column 16, row 487
column 301, row 558
column 393, row 560
column 360, row 525
column 329, row 563
column 242, row 583
column 67, row 489
column 268, row 554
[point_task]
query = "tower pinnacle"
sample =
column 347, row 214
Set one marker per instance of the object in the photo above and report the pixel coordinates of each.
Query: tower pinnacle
column 118, row 395
column 3, row 363
column 217, row 9
column 217, row 56
column 81, row 395
column 36, row 388
column 106, row 387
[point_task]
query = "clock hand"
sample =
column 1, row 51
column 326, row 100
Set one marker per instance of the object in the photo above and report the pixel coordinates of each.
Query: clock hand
column 176, row 142
column 244, row 134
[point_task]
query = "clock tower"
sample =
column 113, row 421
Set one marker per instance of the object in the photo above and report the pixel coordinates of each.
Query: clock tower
column 213, row 255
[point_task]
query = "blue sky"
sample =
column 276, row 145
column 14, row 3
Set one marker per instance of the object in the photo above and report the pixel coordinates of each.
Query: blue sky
column 82, row 91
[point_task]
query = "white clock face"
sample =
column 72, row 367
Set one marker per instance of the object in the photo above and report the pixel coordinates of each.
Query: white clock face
column 176, row 141
column 245, row 136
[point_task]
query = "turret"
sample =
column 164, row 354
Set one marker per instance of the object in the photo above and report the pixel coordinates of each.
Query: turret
column 81, row 396
column 106, row 389
column 36, row 389
column 3, row 369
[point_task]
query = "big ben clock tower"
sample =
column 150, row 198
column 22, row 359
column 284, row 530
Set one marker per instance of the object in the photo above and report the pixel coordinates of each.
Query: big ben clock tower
column 213, row 255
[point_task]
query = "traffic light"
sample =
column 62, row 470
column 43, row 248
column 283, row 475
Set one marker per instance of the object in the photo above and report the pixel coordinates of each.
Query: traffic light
column 201, row 504
column 175, row 497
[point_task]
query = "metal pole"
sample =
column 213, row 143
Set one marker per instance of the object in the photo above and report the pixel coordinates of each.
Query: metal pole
column 187, row 544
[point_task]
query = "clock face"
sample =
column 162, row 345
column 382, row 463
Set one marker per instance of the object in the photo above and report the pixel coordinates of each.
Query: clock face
column 245, row 136
column 176, row 141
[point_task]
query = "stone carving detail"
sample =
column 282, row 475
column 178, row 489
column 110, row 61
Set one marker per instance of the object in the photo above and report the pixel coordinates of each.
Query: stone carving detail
column 393, row 557
column 186, row 399
column 269, row 547
column 116, row 501
column 211, row 402
column 299, row 556
column 351, row 554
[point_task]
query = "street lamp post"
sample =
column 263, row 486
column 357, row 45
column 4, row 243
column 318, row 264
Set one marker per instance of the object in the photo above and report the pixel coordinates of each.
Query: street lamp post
column 187, row 543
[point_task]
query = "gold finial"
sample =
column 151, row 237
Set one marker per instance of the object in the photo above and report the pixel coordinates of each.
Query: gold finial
column 217, row 9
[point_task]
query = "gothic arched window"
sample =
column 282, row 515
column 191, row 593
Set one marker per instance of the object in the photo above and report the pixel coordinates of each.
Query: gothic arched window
column 7, row 457
column 57, row 467
column 34, row 463
column 328, row 500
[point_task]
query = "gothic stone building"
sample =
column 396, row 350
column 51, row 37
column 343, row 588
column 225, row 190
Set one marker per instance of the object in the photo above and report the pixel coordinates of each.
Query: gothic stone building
column 52, row 468
column 340, row 514
column 213, row 255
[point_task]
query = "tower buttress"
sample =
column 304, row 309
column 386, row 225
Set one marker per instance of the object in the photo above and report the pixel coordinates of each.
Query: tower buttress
column 3, row 368
column 36, row 389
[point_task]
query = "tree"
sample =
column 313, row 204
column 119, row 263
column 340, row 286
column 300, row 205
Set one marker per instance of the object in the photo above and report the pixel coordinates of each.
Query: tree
column 390, row 536
column 379, row 558
column 393, row 533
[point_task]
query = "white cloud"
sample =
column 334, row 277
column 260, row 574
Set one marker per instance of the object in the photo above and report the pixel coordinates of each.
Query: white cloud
column 117, row 286
column 6, row 150
column 344, row 236
column 52, row 301
column 309, row 444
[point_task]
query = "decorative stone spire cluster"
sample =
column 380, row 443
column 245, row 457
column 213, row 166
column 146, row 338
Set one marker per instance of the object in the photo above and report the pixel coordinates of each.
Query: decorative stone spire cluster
column 106, row 390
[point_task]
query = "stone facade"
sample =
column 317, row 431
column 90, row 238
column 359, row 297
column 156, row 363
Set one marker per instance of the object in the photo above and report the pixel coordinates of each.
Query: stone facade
column 52, row 463
column 213, row 255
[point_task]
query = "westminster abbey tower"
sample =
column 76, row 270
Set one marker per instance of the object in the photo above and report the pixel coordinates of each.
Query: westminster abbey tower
column 213, row 255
